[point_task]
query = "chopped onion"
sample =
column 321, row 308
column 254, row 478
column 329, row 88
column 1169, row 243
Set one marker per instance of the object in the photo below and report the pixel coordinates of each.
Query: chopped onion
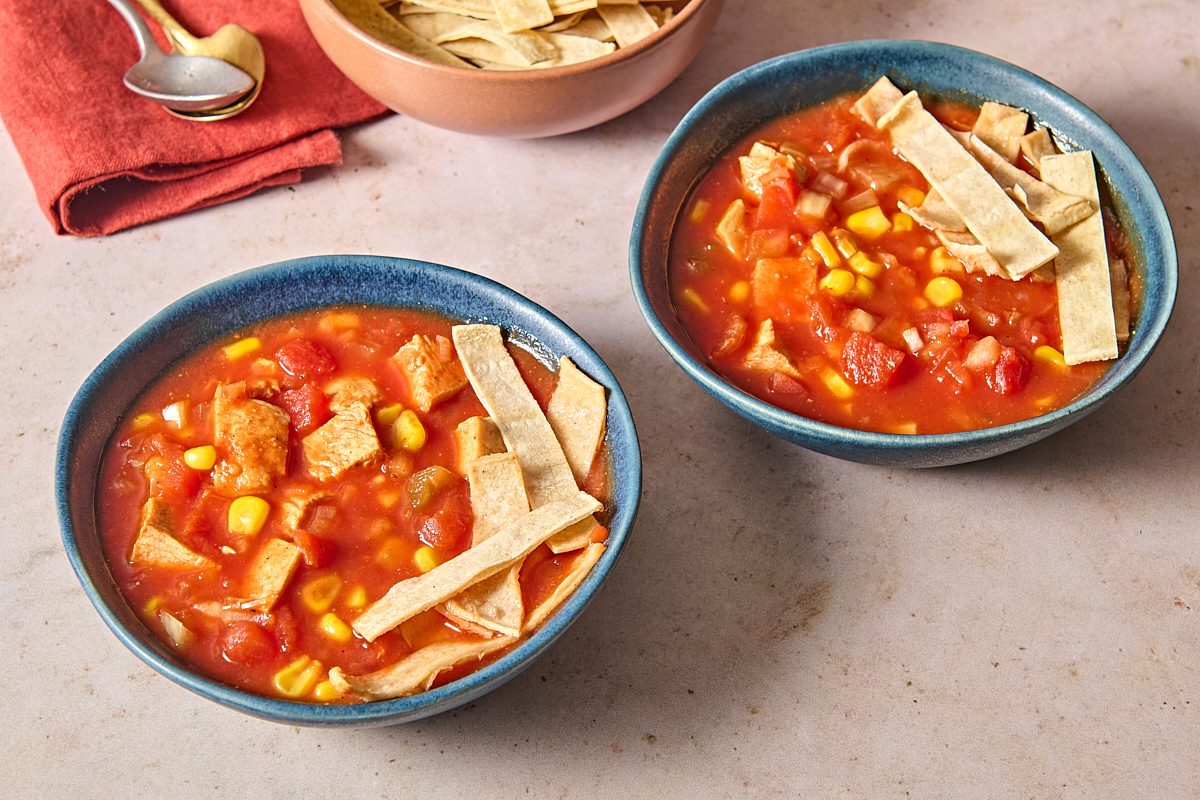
column 813, row 204
column 858, row 202
column 912, row 338
column 862, row 321
column 983, row 354
column 830, row 184
column 821, row 161
column 176, row 631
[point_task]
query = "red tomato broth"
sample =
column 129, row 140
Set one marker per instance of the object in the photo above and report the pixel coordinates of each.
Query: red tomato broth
column 369, row 544
column 1021, row 315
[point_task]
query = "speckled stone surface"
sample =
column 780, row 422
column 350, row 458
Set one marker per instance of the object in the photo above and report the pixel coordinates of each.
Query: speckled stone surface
column 782, row 623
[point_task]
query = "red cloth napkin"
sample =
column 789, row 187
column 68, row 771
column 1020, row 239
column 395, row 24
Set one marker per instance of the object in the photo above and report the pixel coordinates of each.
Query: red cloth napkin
column 102, row 159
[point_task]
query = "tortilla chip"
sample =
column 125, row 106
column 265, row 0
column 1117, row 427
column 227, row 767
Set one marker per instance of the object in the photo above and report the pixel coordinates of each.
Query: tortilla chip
column 561, row 24
column 273, row 567
column 1036, row 145
column 410, row 597
column 570, row 582
column 495, row 603
column 521, row 15
column 479, row 9
column 878, row 100
column 560, row 7
column 628, row 23
column 370, row 18
column 498, row 497
column 492, row 55
column 156, row 547
column 1001, row 127
column 1122, row 298
column 416, row 672
column 474, row 438
column 577, row 413
column 1056, row 210
column 432, row 24
column 573, row 49
column 529, row 46
column 966, row 186
column 1085, row 302
column 526, row 431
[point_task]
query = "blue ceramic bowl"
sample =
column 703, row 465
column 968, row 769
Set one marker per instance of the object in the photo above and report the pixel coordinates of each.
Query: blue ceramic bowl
column 220, row 308
column 791, row 82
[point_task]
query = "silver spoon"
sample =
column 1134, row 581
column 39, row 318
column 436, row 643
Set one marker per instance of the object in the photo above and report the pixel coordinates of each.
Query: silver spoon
column 181, row 83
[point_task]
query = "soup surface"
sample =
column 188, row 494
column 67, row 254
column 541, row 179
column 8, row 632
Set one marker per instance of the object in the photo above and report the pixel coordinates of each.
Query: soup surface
column 269, row 541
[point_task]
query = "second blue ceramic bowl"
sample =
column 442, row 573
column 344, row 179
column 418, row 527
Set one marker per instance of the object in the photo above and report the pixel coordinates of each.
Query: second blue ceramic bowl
column 800, row 80
column 221, row 308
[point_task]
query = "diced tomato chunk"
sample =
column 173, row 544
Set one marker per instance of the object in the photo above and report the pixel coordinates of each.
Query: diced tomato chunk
column 779, row 383
column 777, row 207
column 448, row 527
column 316, row 551
column 869, row 362
column 733, row 335
column 304, row 358
column 306, row 407
column 170, row 478
column 767, row 243
column 1011, row 373
column 826, row 315
column 243, row 642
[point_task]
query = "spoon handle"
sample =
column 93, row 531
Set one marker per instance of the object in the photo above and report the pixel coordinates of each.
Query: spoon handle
column 141, row 31
column 175, row 31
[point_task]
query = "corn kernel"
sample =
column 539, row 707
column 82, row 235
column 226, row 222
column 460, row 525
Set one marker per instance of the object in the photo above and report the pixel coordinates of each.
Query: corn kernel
column 248, row 514
column 242, row 347
column 864, row 286
column 906, row 428
column 942, row 263
column 699, row 211
column 388, row 414
column 739, row 292
column 693, row 298
column 177, row 413
column 845, row 242
column 152, row 606
column 319, row 593
column 870, row 222
column 826, row 250
column 200, row 458
column 425, row 558
column 333, row 627
column 1050, row 356
column 836, row 384
column 910, row 196
column 863, row 265
column 902, row 222
column 142, row 420
column 298, row 678
column 943, row 292
column 356, row 597
column 408, row 432
column 324, row 692
column 838, row 282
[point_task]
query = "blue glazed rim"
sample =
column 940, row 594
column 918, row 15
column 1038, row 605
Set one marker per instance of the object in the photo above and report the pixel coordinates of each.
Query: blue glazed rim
column 1075, row 126
column 295, row 285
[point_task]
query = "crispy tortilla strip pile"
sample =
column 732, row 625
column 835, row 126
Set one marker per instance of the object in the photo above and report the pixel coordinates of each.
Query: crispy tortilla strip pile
column 507, row 34
column 524, row 492
column 981, row 206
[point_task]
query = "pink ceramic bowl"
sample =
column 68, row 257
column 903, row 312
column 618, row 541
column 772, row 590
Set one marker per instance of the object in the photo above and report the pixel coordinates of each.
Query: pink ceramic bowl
column 524, row 104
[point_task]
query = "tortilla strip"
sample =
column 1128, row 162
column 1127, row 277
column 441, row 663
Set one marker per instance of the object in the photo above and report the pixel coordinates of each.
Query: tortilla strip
column 628, row 23
column 1085, row 303
column 495, row 603
column 416, row 672
column 273, row 567
column 881, row 98
column 1122, row 298
column 1001, row 127
column 479, row 9
column 379, row 24
column 1036, row 145
column 493, row 55
column 526, row 431
column 474, row 438
column 986, row 210
column 410, row 597
column 563, row 23
column 935, row 214
column 433, row 24
column 530, row 46
column 577, row 413
column 1056, row 210
column 521, row 15
column 967, row 249
column 572, row 49
column 570, row 582
column 560, row 7
column 157, row 547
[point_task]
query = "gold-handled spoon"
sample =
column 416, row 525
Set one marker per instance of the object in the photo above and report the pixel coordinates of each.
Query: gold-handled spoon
column 230, row 43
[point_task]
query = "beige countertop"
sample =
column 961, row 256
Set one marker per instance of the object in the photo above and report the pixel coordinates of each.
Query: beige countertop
column 782, row 623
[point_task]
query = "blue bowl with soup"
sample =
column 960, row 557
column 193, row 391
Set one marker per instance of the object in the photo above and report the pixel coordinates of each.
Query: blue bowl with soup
column 789, row 254
column 244, row 478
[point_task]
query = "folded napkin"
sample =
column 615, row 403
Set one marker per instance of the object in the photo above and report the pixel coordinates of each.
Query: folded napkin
column 102, row 159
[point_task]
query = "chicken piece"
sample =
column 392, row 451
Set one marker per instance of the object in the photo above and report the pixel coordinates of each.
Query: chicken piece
column 343, row 442
column 155, row 545
column 432, row 369
column 345, row 392
column 764, row 355
column 294, row 508
column 761, row 161
column 252, row 440
column 273, row 567
column 476, row 437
